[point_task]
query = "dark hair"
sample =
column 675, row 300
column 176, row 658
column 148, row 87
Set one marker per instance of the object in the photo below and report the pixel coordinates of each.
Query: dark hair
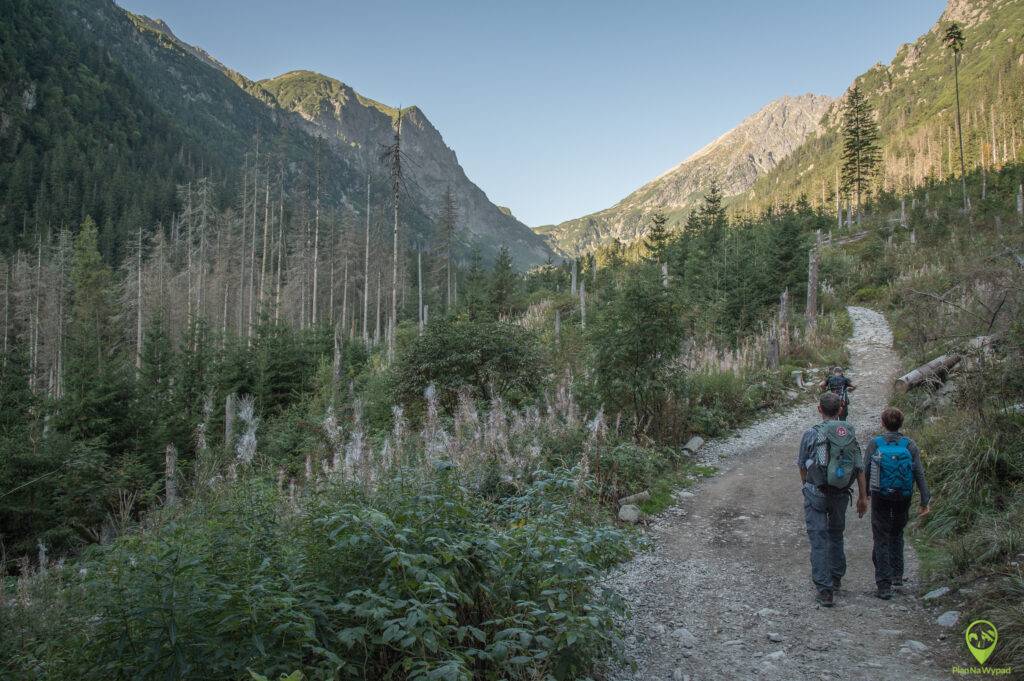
column 830, row 404
column 892, row 418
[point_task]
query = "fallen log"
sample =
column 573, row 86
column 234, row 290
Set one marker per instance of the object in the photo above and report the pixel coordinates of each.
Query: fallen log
column 635, row 498
column 937, row 369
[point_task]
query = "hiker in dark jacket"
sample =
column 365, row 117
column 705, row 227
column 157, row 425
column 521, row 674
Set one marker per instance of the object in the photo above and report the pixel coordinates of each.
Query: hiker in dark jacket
column 893, row 465
column 839, row 384
column 821, row 448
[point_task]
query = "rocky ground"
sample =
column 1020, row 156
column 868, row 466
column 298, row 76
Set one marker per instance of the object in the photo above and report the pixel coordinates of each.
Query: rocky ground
column 726, row 594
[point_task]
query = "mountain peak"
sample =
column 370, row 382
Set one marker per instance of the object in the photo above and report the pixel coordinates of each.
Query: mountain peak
column 735, row 160
column 965, row 12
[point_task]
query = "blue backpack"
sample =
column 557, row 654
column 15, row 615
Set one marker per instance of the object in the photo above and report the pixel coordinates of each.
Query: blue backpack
column 892, row 466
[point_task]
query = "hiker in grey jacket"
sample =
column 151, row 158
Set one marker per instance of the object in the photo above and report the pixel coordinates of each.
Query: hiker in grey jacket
column 893, row 466
column 825, row 504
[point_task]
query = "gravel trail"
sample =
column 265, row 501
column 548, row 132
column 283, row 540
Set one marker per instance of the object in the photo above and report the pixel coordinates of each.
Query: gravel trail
column 726, row 593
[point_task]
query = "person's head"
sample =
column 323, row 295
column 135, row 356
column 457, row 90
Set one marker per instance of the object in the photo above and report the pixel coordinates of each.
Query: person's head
column 837, row 371
column 829, row 405
column 892, row 419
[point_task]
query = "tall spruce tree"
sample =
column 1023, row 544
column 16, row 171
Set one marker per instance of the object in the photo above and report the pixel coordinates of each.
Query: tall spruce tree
column 657, row 237
column 503, row 283
column 475, row 296
column 449, row 218
column 953, row 39
column 97, row 402
column 861, row 154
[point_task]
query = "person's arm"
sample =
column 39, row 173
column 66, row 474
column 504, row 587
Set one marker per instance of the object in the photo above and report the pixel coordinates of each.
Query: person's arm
column 801, row 457
column 862, row 497
column 862, row 489
column 850, row 385
column 922, row 486
column 822, row 385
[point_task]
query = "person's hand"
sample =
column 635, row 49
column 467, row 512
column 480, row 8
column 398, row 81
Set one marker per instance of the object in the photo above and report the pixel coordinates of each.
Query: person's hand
column 862, row 506
column 923, row 511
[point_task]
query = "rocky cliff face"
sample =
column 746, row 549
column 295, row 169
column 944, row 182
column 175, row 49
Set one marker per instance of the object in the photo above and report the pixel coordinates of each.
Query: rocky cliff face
column 735, row 160
column 225, row 109
column 359, row 128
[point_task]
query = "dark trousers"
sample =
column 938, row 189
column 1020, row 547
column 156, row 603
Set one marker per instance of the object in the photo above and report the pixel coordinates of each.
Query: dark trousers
column 888, row 518
column 825, row 518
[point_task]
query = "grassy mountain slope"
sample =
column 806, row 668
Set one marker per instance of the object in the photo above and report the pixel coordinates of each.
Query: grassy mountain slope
column 914, row 98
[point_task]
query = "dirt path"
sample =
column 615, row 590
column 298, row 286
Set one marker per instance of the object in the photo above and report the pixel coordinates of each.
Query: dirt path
column 726, row 594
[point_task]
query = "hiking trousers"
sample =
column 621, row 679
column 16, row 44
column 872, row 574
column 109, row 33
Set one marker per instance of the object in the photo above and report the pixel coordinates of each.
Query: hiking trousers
column 888, row 518
column 825, row 517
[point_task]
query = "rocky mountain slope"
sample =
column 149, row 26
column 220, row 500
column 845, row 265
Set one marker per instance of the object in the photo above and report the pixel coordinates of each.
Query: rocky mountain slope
column 914, row 100
column 359, row 128
column 735, row 160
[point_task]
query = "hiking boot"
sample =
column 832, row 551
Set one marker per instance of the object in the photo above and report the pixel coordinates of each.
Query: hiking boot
column 824, row 599
column 884, row 592
column 837, row 583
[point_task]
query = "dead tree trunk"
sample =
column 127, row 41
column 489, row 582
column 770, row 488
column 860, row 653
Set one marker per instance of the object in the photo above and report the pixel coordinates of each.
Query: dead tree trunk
column 811, row 312
column 583, row 305
column 394, row 159
column 366, row 267
column 138, row 302
column 784, row 322
column 419, row 290
column 170, row 475
column 316, row 240
column 839, row 205
column 935, row 370
column 229, row 420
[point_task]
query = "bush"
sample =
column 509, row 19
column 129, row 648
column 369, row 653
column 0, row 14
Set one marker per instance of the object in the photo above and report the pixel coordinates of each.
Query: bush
column 486, row 358
column 421, row 579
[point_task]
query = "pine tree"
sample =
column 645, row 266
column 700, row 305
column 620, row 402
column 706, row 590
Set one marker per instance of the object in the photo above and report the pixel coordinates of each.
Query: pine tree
column 475, row 296
column 657, row 237
column 503, row 283
column 861, row 154
column 953, row 39
column 449, row 218
column 97, row 402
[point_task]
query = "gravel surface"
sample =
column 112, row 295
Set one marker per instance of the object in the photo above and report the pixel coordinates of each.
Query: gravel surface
column 727, row 594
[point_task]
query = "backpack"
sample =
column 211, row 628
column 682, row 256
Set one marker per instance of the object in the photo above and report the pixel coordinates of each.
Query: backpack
column 892, row 467
column 837, row 385
column 836, row 453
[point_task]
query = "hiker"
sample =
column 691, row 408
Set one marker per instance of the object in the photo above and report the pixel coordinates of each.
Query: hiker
column 829, row 461
column 893, row 464
column 839, row 384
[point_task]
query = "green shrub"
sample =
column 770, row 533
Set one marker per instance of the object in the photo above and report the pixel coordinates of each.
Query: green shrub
column 486, row 358
column 422, row 579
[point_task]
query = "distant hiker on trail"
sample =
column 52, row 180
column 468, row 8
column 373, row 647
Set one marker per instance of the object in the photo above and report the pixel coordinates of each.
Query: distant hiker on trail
column 829, row 460
column 893, row 465
column 842, row 386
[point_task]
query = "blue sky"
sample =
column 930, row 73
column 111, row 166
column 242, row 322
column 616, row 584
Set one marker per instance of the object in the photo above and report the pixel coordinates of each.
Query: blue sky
column 557, row 109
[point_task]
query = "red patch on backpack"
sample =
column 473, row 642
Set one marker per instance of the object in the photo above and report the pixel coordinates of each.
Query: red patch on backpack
column 841, row 431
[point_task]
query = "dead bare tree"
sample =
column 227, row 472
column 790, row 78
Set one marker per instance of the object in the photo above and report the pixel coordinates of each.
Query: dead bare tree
column 392, row 158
